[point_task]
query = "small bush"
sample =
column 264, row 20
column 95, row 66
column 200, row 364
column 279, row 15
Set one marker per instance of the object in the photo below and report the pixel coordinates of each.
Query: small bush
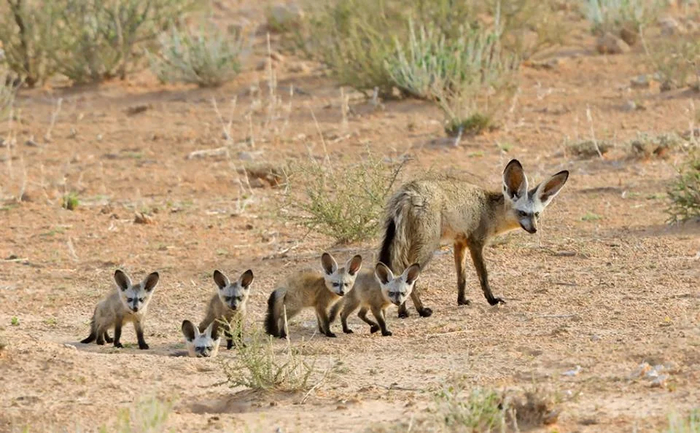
column 26, row 31
column 258, row 367
column 646, row 145
column 685, row 192
column 148, row 416
column 676, row 58
column 70, row 201
column 343, row 202
column 620, row 17
column 100, row 39
column 207, row 58
column 689, row 424
column 481, row 410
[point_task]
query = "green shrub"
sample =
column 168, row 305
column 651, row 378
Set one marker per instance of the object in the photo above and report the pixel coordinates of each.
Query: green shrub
column 481, row 410
column 689, row 424
column 207, row 58
column 26, row 31
column 343, row 202
column 102, row 39
column 676, row 58
column 685, row 192
column 620, row 17
column 70, row 201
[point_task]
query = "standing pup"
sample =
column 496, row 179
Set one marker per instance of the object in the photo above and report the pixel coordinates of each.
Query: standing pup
column 376, row 291
column 309, row 288
column 423, row 213
column 204, row 344
column 127, row 303
column 228, row 303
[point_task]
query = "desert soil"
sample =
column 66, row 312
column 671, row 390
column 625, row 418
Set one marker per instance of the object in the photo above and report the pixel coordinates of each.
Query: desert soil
column 604, row 286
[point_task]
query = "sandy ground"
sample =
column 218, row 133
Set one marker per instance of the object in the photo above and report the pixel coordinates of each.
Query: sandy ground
column 604, row 286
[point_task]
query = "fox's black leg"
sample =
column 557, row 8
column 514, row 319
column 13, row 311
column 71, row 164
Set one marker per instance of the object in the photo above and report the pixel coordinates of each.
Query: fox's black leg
column 476, row 249
column 118, row 333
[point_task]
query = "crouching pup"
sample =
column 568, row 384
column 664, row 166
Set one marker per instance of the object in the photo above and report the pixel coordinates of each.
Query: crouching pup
column 201, row 344
column 229, row 304
column 376, row 291
column 127, row 303
column 309, row 288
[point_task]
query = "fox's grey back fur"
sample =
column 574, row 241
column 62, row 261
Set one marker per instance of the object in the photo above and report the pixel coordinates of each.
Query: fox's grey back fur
column 422, row 214
column 127, row 303
column 228, row 303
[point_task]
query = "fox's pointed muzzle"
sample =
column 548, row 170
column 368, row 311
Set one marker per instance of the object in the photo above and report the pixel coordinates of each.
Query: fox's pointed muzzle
column 530, row 229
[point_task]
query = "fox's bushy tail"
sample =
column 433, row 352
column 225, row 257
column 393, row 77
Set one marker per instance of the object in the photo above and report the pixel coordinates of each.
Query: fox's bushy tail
column 272, row 319
column 93, row 333
column 396, row 243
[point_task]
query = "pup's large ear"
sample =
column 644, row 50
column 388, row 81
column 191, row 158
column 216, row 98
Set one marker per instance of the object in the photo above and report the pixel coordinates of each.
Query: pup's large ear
column 514, row 180
column 411, row 273
column 151, row 281
column 123, row 281
column 547, row 190
column 189, row 330
column 354, row 264
column 220, row 279
column 329, row 264
column 383, row 273
column 246, row 279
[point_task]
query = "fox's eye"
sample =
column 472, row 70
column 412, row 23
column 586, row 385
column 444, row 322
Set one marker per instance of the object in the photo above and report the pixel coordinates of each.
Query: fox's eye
column 522, row 213
column 129, row 299
column 140, row 299
column 336, row 284
column 537, row 214
column 227, row 298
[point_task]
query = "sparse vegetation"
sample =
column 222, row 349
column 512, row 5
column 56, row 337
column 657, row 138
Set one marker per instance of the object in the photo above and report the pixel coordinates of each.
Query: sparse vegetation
column 7, row 94
column 685, row 192
column 648, row 145
column 148, row 416
column 589, row 148
column 14, row 321
column 345, row 203
column 257, row 366
column 70, row 201
column 676, row 58
column 689, row 424
column 205, row 57
column 480, row 410
column 620, row 17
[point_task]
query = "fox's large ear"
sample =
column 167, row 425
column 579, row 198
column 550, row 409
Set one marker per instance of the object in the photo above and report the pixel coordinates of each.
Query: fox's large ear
column 122, row 280
column 220, row 279
column 213, row 330
column 383, row 273
column 328, row 263
column 411, row 273
column 151, row 282
column 189, row 330
column 246, row 278
column 547, row 190
column 514, row 180
column 354, row 264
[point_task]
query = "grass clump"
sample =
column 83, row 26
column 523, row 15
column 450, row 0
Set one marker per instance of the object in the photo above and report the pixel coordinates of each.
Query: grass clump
column 148, row 416
column 70, row 201
column 343, row 202
column 623, row 18
column 26, row 29
column 676, row 58
column 257, row 366
column 585, row 149
column 647, row 146
column 204, row 57
column 689, row 424
column 684, row 193
column 481, row 410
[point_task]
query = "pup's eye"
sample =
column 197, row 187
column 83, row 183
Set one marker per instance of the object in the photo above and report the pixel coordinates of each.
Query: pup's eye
column 336, row 284
column 522, row 213
column 227, row 298
column 140, row 299
column 129, row 299
column 537, row 214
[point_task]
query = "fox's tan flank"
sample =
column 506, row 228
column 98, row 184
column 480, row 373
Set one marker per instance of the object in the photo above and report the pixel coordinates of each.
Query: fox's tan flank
column 228, row 303
column 424, row 213
column 309, row 288
column 127, row 303
column 375, row 290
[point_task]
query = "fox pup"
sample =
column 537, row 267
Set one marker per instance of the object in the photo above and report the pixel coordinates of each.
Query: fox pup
column 376, row 291
column 309, row 288
column 201, row 344
column 229, row 302
column 127, row 303
column 424, row 213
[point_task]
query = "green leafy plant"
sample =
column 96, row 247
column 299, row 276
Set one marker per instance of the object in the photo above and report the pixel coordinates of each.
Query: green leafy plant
column 70, row 201
column 684, row 193
column 620, row 17
column 204, row 57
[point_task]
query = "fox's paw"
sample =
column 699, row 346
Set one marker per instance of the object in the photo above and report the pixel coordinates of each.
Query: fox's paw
column 425, row 312
column 347, row 331
column 403, row 314
column 143, row 346
column 387, row 333
column 464, row 302
column 496, row 301
column 229, row 344
column 331, row 335
column 373, row 329
column 118, row 345
column 100, row 342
